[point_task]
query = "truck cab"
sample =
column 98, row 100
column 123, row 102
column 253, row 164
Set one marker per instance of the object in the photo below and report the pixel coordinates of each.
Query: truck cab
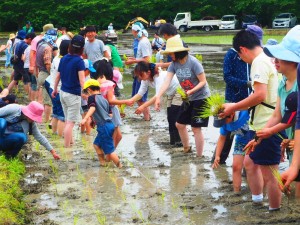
column 182, row 20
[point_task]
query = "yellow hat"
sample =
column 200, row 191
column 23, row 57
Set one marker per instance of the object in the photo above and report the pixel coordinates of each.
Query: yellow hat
column 174, row 44
column 91, row 82
column 11, row 36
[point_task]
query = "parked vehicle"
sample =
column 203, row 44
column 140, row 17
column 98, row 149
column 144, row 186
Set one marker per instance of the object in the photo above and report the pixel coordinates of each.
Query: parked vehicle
column 284, row 20
column 229, row 22
column 183, row 22
column 249, row 20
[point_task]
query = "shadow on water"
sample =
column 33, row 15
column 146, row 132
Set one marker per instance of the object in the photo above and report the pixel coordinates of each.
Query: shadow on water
column 157, row 185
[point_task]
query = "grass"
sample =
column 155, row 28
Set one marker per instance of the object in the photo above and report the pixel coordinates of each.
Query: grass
column 12, row 207
column 223, row 39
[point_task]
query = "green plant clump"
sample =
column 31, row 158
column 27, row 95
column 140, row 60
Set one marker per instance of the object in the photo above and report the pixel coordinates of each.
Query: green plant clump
column 11, row 203
column 213, row 106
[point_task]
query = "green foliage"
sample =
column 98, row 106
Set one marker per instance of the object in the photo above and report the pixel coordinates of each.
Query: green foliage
column 212, row 106
column 11, row 204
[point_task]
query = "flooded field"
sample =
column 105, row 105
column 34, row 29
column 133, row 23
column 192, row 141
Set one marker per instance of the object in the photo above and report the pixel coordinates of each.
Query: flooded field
column 157, row 185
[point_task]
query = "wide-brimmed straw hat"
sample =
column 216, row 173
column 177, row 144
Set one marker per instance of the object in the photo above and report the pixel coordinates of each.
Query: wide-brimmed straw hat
column 174, row 44
column 11, row 36
column 34, row 111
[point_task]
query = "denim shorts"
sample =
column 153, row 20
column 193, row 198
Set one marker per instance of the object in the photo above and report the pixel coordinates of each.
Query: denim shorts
column 268, row 152
column 240, row 142
column 57, row 110
column 135, row 89
column 104, row 138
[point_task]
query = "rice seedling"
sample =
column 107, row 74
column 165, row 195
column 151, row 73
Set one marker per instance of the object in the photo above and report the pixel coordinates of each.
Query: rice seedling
column 100, row 217
column 199, row 57
column 182, row 93
column 76, row 218
column 174, row 204
column 213, row 106
column 277, row 176
column 1, row 83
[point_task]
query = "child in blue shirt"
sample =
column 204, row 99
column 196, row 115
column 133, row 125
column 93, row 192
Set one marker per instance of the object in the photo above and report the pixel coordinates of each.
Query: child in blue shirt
column 100, row 110
column 237, row 123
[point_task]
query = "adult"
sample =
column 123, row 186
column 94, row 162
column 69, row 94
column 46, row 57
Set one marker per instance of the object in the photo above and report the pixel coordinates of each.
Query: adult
column 110, row 27
column 157, row 42
column 64, row 35
column 262, row 103
column 28, row 28
column 44, row 56
column 191, row 76
column 94, row 48
column 144, row 53
column 71, row 73
column 16, row 122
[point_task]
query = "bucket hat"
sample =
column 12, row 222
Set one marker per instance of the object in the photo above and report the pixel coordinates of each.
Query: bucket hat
column 288, row 49
column 89, row 65
column 33, row 111
column 91, row 82
column 11, row 36
column 174, row 44
column 47, row 27
column 290, row 108
column 21, row 34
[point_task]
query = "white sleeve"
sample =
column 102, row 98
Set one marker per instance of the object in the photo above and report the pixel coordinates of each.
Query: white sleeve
column 158, row 80
column 143, row 88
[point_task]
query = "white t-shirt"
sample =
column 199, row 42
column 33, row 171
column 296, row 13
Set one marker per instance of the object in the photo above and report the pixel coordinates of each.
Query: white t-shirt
column 263, row 71
column 53, row 73
column 26, row 54
column 144, row 48
column 157, row 82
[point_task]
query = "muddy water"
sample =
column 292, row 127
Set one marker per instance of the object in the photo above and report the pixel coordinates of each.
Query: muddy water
column 157, row 185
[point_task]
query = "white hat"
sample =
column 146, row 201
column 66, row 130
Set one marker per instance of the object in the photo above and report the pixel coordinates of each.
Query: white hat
column 117, row 77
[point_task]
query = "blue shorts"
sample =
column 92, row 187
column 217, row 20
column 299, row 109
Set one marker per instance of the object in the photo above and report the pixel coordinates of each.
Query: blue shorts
column 57, row 110
column 33, row 82
column 268, row 152
column 104, row 138
column 240, row 142
column 135, row 89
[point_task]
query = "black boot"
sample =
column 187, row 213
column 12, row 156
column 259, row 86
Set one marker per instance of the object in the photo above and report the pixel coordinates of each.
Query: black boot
column 172, row 138
column 177, row 139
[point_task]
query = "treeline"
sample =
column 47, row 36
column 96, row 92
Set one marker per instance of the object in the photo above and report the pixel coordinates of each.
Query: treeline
column 77, row 13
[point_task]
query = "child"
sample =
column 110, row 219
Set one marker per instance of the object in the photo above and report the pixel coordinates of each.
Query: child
column 99, row 109
column 104, row 75
column 237, row 124
column 84, row 106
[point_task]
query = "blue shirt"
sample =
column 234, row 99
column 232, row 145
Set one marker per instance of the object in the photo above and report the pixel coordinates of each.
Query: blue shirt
column 236, row 75
column 69, row 67
column 238, row 127
column 19, row 50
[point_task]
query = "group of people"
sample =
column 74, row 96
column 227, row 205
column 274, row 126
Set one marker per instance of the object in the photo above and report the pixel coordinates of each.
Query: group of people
column 80, row 77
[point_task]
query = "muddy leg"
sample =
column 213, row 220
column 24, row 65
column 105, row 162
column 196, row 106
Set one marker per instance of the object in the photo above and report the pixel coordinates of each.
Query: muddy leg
column 117, row 136
column 100, row 155
column 114, row 157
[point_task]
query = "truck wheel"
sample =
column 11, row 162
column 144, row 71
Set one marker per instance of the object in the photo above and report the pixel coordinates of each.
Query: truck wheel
column 182, row 29
column 207, row 28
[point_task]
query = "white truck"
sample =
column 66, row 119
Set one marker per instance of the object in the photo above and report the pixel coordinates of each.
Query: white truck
column 183, row 22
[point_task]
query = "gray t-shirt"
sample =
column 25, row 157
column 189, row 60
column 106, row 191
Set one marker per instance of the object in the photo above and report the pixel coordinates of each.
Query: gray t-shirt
column 144, row 48
column 94, row 50
column 187, row 77
column 101, row 115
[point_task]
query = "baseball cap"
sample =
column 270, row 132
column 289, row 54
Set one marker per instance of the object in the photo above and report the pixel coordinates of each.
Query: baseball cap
column 290, row 108
column 91, row 82
column 28, row 22
column 288, row 49
column 89, row 65
column 117, row 77
column 255, row 30
column 77, row 41
column 21, row 34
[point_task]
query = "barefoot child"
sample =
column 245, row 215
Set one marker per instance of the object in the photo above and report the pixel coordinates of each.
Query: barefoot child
column 237, row 124
column 99, row 109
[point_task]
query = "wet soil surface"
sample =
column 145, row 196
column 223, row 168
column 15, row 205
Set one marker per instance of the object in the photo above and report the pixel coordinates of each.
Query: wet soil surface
column 158, row 184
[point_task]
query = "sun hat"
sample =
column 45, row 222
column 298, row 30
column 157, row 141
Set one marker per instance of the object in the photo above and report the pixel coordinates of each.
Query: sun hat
column 91, row 82
column 254, row 29
column 89, row 65
column 174, row 44
column 288, row 49
column 52, row 32
column 34, row 111
column 290, row 111
column 21, row 34
column 47, row 27
column 117, row 77
column 11, row 36
column 77, row 41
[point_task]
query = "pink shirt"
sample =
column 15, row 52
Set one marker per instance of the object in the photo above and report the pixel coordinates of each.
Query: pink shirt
column 33, row 48
column 105, row 86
